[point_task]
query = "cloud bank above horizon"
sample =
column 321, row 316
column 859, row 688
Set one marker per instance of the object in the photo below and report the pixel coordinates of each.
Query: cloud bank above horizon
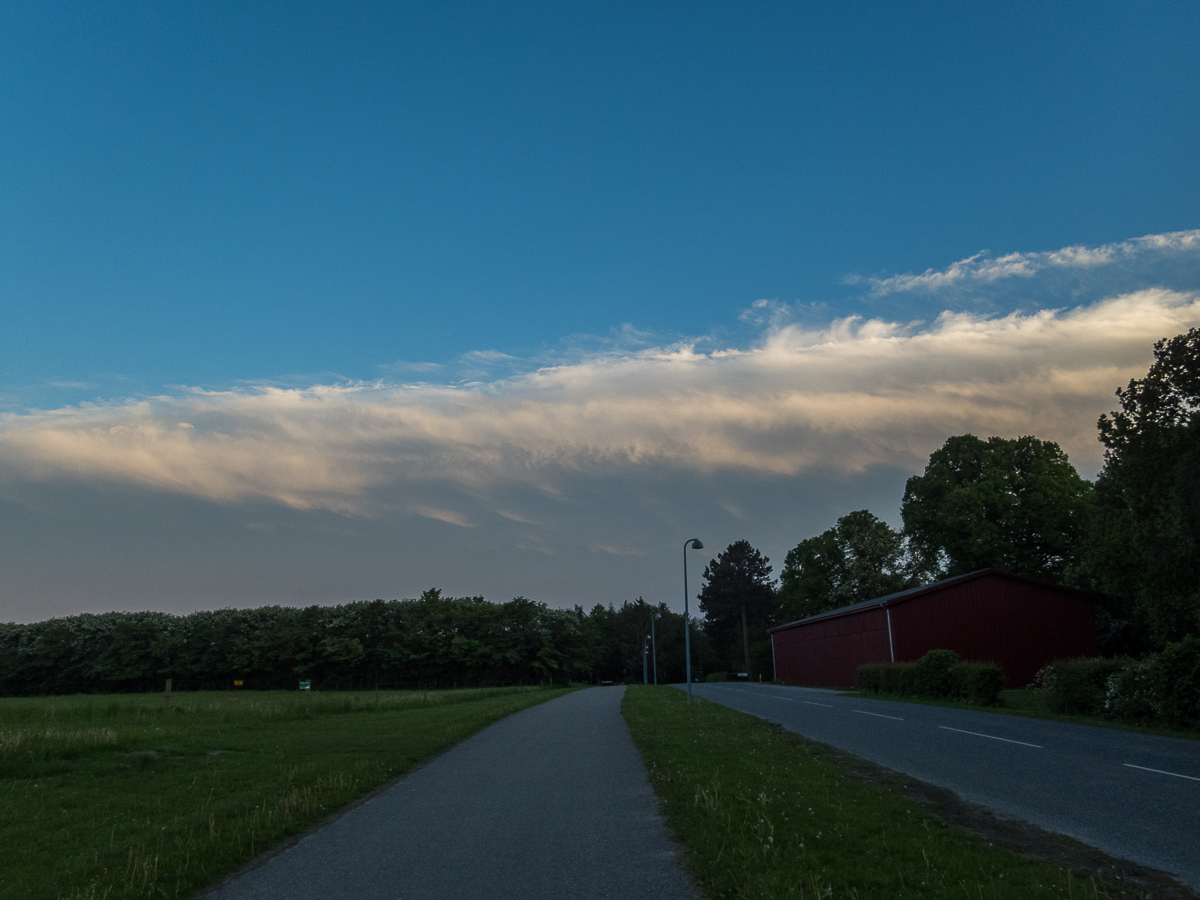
column 852, row 395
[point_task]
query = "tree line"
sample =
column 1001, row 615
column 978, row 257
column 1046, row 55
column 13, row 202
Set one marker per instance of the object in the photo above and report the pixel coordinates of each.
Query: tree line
column 1133, row 535
column 433, row 641
column 1014, row 504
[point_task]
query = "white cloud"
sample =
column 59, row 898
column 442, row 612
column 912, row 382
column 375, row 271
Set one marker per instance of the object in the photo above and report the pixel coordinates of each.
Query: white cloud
column 982, row 269
column 443, row 515
column 856, row 394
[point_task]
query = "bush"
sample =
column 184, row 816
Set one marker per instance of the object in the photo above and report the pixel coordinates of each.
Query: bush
column 899, row 678
column 1162, row 689
column 1134, row 694
column 1179, row 680
column 980, row 683
column 939, row 673
column 716, row 676
column 1078, row 687
column 870, row 677
column 935, row 674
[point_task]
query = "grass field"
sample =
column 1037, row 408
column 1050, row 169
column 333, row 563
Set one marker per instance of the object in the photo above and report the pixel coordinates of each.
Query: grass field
column 129, row 797
column 763, row 813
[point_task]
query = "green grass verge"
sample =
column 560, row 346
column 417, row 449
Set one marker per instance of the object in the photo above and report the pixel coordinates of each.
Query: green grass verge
column 763, row 813
column 126, row 797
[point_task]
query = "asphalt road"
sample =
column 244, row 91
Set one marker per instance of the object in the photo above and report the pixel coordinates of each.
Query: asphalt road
column 551, row 802
column 1131, row 795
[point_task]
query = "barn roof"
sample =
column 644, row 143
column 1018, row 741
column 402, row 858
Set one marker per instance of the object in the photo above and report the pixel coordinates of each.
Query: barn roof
column 911, row 593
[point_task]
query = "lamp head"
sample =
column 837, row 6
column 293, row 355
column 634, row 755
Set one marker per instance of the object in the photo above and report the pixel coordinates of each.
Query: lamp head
column 695, row 544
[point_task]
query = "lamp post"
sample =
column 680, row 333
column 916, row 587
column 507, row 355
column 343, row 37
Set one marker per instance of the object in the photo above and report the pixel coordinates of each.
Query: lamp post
column 645, row 643
column 695, row 544
column 654, row 645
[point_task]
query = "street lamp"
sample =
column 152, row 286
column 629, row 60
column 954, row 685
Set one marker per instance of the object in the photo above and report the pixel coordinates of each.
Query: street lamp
column 654, row 645
column 695, row 544
column 645, row 643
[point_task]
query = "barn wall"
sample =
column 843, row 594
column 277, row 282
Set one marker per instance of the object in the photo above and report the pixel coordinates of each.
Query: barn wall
column 1016, row 624
column 830, row 651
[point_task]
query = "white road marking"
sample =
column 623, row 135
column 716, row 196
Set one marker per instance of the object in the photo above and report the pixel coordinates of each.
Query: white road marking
column 881, row 715
column 1161, row 772
column 992, row 736
column 810, row 703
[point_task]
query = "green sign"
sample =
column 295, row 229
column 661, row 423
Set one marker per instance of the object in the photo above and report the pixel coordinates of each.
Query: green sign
column 305, row 685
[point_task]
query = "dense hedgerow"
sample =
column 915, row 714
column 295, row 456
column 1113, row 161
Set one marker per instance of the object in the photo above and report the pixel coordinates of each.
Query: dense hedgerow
column 433, row 641
column 1161, row 689
column 1078, row 687
column 938, row 674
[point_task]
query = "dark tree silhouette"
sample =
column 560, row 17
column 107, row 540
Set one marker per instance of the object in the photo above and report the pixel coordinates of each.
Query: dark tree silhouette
column 1017, row 505
column 1143, row 546
column 858, row 559
column 737, row 590
column 434, row 641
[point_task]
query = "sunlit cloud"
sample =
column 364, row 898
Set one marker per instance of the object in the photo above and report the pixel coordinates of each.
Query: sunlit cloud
column 443, row 515
column 855, row 394
column 982, row 268
column 572, row 475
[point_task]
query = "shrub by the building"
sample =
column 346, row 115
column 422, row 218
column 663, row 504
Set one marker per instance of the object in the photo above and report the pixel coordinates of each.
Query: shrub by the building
column 980, row 683
column 1078, row 687
column 1132, row 693
column 888, row 678
column 939, row 674
column 1161, row 689
column 1179, row 678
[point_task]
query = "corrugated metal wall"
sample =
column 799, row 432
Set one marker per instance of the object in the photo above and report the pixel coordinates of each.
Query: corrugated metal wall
column 829, row 652
column 1017, row 624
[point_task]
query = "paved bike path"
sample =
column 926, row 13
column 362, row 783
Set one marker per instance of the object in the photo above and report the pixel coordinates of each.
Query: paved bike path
column 551, row 802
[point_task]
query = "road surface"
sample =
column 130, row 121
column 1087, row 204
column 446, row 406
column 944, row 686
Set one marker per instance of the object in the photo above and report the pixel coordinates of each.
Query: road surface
column 1131, row 795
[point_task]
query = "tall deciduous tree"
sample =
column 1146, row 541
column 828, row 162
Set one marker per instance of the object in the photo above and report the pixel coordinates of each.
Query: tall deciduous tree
column 737, row 590
column 1144, row 543
column 1017, row 505
column 859, row 558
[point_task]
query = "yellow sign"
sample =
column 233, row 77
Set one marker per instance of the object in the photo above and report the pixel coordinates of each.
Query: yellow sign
column 237, row 682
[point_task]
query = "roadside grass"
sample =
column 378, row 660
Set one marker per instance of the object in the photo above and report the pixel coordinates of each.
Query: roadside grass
column 128, row 796
column 1031, row 705
column 763, row 813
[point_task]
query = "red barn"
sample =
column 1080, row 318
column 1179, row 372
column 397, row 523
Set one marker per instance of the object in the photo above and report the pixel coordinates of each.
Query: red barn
column 986, row 616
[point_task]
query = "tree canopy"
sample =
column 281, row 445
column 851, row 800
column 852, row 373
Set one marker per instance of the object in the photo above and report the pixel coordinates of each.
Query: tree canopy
column 1017, row 505
column 435, row 641
column 737, row 597
column 859, row 558
column 1143, row 546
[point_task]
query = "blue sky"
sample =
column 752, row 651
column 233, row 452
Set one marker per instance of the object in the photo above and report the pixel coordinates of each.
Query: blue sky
column 309, row 303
